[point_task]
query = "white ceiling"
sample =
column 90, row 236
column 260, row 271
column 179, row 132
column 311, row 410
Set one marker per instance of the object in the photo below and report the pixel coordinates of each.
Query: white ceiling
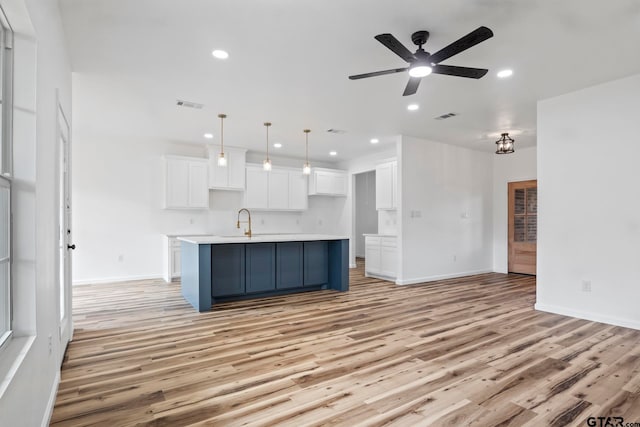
column 289, row 62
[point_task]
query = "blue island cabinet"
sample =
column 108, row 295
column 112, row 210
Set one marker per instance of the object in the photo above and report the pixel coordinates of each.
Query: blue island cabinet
column 227, row 270
column 260, row 267
column 217, row 272
column 289, row 267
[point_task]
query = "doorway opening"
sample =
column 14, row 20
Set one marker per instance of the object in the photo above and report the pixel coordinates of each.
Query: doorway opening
column 523, row 226
column 366, row 215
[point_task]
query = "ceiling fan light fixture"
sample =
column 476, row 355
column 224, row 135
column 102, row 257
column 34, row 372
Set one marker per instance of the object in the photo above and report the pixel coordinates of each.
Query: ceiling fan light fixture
column 505, row 145
column 420, row 70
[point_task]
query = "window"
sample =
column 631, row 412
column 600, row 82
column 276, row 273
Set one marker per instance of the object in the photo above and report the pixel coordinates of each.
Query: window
column 6, row 109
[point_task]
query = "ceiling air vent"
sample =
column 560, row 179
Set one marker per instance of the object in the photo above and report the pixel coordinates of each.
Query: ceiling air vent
column 337, row 131
column 445, row 116
column 189, row 104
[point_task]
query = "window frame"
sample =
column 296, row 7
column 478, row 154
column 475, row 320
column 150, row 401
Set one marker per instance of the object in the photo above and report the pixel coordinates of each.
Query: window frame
column 6, row 159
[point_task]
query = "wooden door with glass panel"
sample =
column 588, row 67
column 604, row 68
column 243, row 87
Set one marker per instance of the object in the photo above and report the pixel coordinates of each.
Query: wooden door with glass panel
column 523, row 226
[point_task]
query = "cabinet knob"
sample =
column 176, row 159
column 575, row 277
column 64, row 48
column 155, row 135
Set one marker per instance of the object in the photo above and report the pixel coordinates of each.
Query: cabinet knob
column 72, row 247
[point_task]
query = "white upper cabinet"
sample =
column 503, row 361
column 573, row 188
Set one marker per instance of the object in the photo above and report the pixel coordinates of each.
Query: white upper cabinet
column 386, row 186
column 327, row 182
column 279, row 189
column 298, row 199
column 230, row 177
column 256, row 195
column 186, row 183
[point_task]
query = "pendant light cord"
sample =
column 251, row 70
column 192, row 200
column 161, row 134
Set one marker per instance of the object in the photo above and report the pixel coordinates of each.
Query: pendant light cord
column 267, row 124
column 222, row 117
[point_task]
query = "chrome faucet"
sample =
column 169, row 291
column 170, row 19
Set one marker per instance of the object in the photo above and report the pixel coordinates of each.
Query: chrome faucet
column 246, row 232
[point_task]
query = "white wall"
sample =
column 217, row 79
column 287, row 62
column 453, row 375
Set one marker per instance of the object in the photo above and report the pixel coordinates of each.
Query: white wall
column 118, row 216
column 41, row 66
column 518, row 166
column 366, row 215
column 449, row 191
column 588, row 198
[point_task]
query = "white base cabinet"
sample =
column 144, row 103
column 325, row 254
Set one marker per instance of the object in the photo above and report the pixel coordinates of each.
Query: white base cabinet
column 171, row 258
column 381, row 257
column 280, row 189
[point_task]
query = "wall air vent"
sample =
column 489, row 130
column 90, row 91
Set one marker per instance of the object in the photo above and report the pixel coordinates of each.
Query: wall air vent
column 189, row 104
column 445, row 116
column 336, row 131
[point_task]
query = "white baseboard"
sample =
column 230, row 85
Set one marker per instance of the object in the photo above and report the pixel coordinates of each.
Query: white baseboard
column 353, row 265
column 46, row 420
column 115, row 279
column 441, row 277
column 594, row 317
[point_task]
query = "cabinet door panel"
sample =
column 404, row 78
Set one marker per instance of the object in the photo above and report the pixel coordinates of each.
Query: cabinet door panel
column 236, row 165
column 175, row 262
column 297, row 191
column 256, row 193
column 384, row 186
column 227, row 270
column 289, row 265
column 260, row 267
column 388, row 261
column 372, row 256
column 316, row 263
column 198, row 185
column 177, row 183
column 278, row 189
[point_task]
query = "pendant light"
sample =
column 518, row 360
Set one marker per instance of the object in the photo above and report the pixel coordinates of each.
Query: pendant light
column 505, row 144
column 266, row 164
column 222, row 160
column 306, row 168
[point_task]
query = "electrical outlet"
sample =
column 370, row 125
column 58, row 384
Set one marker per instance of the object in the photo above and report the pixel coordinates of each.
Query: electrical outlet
column 50, row 344
column 191, row 221
column 262, row 221
column 455, row 258
column 120, row 258
column 586, row 286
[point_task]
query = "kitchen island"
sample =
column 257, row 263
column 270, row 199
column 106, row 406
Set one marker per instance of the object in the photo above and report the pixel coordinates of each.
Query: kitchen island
column 225, row 268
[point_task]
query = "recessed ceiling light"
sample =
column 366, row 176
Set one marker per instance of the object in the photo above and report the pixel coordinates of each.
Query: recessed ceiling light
column 505, row 73
column 412, row 107
column 277, row 145
column 220, row 54
column 208, row 135
column 374, row 140
column 333, row 153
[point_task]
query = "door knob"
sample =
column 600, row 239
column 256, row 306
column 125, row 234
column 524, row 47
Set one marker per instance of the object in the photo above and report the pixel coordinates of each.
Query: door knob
column 72, row 247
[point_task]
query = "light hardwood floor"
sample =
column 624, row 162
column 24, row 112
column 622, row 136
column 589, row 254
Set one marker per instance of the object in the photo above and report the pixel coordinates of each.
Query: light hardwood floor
column 469, row 351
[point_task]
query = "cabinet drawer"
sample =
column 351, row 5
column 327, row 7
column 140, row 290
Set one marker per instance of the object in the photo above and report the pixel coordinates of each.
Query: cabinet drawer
column 371, row 240
column 389, row 242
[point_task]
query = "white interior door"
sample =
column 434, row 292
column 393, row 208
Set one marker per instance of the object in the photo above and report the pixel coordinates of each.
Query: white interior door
column 64, row 235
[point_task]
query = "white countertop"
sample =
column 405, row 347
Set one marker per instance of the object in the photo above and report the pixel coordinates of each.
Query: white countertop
column 258, row 238
column 379, row 235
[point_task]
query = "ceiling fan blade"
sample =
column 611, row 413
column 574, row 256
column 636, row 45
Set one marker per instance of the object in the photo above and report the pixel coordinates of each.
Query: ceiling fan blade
column 412, row 86
column 395, row 46
column 452, row 70
column 377, row 73
column 473, row 38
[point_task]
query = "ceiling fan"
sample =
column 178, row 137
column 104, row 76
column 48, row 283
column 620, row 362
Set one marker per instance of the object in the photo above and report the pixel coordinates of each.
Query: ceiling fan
column 423, row 63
